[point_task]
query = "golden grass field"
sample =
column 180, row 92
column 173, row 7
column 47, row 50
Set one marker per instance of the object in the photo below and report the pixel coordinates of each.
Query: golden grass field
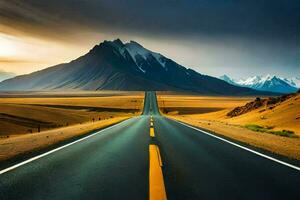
column 192, row 104
column 26, row 143
column 210, row 113
column 25, row 114
column 59, row 116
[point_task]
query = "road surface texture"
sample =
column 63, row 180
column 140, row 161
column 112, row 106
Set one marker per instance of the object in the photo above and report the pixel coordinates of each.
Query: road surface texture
column 153, row 157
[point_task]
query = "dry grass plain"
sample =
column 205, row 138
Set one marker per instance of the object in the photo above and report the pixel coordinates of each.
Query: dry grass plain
column 210, row 113
column 25, row 114
column 27, row 143
column 59, row 117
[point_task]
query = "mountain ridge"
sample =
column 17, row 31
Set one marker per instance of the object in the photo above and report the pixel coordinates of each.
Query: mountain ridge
column 6, row 75
column 270, row 83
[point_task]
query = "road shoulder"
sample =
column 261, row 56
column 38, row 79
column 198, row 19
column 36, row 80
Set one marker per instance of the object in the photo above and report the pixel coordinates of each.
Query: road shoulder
column 19, row 148
column 287, row 148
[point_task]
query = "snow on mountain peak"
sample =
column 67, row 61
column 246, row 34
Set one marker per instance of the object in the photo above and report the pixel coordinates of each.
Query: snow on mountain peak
column 250, row 81
column 228, row 79
column 142, row 57
column 294, row 81
column 136, row 50
column 266, row 83
column 256, row 80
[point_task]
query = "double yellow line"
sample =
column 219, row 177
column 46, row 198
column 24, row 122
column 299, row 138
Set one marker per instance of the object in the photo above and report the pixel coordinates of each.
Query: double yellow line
column 157, row 189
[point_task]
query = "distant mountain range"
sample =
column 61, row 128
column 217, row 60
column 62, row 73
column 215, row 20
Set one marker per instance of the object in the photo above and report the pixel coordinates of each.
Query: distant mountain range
column 266, row 83
column 113, row 65
column 6, row 75
column 295, row 81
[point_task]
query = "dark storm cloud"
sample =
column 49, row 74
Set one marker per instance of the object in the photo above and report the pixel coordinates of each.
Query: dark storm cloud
column 275, row 19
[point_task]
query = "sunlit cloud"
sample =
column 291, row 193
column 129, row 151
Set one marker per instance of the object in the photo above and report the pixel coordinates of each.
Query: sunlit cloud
column 23, row 54
column 7, row 46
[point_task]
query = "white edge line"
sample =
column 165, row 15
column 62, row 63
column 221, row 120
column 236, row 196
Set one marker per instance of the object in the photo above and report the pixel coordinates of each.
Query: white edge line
column 240, row 146
column 57, row 149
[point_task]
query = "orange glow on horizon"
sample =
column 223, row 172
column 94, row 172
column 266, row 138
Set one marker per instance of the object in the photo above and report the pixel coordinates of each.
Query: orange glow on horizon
column 22, row 54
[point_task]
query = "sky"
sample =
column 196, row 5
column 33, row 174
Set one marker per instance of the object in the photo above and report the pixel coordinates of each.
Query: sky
column 239, row 38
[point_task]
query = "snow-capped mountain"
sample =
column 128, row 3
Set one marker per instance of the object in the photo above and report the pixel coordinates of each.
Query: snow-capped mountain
column 265, row 83
column 140, row 54
column 114, row 65
column 295, row 81
column 228, row 79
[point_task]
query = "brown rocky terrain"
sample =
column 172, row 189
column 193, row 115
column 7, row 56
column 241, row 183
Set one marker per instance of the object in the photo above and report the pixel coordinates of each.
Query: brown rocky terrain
column 267, row 103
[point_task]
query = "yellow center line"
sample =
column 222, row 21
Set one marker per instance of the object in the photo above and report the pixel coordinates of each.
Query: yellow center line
column 152, row 132
column 151, row 124
column 157, row 189
column 159, row 157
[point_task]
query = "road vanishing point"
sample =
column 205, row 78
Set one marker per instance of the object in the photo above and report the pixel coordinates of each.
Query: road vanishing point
column 151, row 157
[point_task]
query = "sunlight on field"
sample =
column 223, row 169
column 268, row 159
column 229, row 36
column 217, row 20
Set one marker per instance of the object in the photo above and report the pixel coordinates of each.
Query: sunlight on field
column 182, row 104
column 13, row 146
column 210, row 113
column 19, row 115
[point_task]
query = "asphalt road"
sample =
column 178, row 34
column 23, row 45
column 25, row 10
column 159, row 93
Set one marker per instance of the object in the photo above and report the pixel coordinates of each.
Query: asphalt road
column 114, row 164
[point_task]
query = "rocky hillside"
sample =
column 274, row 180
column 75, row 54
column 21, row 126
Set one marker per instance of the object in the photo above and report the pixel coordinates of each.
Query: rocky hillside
column 267, row 103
